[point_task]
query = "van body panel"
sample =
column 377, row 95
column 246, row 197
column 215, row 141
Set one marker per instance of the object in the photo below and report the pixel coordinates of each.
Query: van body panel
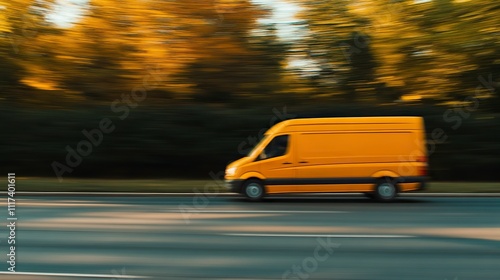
column 343, row 184
column 406, row 187
column 315, row 188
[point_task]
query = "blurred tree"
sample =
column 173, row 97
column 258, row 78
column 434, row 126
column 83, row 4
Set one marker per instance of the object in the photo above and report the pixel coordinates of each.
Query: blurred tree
column 329, row 27
column 95, row 58
column 457, row 41
column 403, row 49
column 203, row 50
column 20, row 21
column 367, row 50
column 437, row 49
column 234, row 57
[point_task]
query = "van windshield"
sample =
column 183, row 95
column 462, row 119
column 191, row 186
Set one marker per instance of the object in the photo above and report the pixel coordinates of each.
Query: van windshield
column 251, row 153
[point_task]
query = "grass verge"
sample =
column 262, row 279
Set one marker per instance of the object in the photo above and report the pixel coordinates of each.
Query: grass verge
column 192, row 186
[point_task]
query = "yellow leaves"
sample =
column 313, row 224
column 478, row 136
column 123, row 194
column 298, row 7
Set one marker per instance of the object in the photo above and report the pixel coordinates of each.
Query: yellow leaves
column 4, row 20
column 40, row 78
column 117, row 43
column 39, row 83
column 392, row 81
column 362, row 8
column 11, row 14
column 229, row 6
column 411, row 97
column 348, row 46
column 379, row 13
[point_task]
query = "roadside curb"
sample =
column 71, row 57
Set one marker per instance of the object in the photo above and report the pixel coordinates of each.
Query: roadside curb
column 226, row 194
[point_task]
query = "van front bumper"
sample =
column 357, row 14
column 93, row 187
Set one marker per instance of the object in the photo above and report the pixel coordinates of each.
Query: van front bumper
column 233, row 185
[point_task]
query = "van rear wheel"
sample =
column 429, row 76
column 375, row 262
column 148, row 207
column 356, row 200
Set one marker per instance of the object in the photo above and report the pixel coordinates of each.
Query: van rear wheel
column 253, row 190
column 386, row 190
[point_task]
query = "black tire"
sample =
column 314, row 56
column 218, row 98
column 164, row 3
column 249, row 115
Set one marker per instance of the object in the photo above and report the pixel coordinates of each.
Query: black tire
column 386, row 190
column 253, row 190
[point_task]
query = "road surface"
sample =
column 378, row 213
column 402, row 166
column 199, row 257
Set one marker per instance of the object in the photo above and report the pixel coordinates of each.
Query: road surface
column 199, row 237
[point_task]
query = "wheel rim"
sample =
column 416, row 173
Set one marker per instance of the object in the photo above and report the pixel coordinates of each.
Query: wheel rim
column 386, row 190
column 254, row 190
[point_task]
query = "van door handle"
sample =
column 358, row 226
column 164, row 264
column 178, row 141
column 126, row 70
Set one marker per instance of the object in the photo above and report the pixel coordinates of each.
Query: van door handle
column 303, row 162
column 287, row 163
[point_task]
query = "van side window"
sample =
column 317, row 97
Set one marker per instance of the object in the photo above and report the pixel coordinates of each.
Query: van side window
column 276, row 148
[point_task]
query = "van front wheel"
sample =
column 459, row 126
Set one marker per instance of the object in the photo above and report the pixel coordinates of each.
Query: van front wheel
column 253, row 190
column 386, row 190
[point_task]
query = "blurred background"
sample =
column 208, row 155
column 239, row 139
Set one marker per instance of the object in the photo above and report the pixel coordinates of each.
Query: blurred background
column 190, row 85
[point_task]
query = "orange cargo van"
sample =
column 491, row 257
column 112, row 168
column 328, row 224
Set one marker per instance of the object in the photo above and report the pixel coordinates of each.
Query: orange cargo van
column 378, row 156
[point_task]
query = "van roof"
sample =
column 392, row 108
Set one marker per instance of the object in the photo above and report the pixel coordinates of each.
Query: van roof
column 416, row 121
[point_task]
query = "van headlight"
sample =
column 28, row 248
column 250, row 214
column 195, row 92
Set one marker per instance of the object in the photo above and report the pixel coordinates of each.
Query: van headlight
column 230, row 171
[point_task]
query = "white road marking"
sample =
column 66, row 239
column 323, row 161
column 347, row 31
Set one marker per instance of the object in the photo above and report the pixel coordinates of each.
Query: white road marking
column 74, row 275
column 257, row 212
column 320, row 235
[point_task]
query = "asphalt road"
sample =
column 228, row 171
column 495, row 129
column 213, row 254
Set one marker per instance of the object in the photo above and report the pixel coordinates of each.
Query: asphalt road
column 200, row 237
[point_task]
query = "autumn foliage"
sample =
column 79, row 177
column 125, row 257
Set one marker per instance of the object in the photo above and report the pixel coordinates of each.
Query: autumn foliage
column 187, row 78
